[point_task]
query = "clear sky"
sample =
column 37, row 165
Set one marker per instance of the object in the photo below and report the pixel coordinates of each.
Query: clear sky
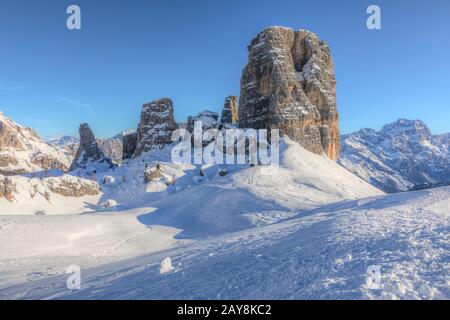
column 132, row 52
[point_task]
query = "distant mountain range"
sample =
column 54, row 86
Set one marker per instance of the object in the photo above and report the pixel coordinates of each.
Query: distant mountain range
column 112, row 147
column 402, row 156
column 62, row 141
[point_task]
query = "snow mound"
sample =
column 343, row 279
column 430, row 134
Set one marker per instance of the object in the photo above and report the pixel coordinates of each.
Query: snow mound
column 303, row 181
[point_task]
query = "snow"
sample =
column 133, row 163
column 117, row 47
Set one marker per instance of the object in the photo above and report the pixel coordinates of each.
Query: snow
column 31, row 198
column 307, row 228
column 33, row 147
column 319, row 254
column 34, row 247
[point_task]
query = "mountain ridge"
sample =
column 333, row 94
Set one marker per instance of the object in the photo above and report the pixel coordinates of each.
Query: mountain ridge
column 398, row 157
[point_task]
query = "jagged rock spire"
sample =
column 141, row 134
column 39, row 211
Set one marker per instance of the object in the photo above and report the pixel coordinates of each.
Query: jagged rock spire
column 88, row 149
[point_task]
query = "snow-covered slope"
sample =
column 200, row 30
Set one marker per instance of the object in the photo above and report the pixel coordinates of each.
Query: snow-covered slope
column 258, row 195
column 23, row 151
column 62, row 195
column 34, row 247
column 323, row 254
column 62, row 141
column 213, row 203
column 400, row 156
column 187, row 202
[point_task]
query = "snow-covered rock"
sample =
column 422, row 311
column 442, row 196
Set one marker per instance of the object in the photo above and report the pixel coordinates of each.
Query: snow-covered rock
column 129, row 143
column 166, row 266
column 156, row 126
column 401, row 156
column 209, row 120
column 289, row 84
column 110, row 203
column 112, row 148
column 70, row 186
column 23, row 151
column 63, row 195
column 89, row 154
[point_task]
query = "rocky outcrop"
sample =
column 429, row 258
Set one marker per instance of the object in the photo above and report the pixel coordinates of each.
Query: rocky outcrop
column 7, row 188
column 23, row 151
column 209, row 120
column 129, row 142
column 289, row 84
column 156, row 126
column 402, row 156
column 152, row 173
column 70, row 186
column 112, row 148
column 230, row 112
column 88, row 149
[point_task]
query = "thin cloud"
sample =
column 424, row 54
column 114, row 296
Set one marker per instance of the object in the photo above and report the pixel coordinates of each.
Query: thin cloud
column 77, row 104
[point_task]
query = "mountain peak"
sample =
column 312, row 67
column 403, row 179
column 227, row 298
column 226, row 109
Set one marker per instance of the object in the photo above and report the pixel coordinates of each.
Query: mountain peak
column 407, row 127
column 398, row 157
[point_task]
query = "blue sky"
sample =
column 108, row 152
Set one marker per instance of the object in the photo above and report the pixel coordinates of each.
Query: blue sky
column 131, row 52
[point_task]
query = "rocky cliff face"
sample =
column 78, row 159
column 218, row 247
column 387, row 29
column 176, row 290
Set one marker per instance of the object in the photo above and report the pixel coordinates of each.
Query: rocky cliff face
column 88, row 149
column 23, row 151
column 129, row 142
column 156, row 126
column 289, row 84
column 230, row 113
column 112, row 148
column 209, row 120
column 401, row 156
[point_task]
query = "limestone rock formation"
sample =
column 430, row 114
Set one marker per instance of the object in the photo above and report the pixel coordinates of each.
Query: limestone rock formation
column 70, row 186
column 7, row 188
column 88, row 149
column 156, row 126
column 23, row 151
column 152, row 173
column 129, row 142
column 209, row 120
column 230, row 111
column 289, row 84
column 112, row 148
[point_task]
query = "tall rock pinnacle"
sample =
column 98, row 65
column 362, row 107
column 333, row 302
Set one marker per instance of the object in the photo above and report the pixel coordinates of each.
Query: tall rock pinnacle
column 88, row 149
column 289, row 84
column 230, row 110
column 156, row 126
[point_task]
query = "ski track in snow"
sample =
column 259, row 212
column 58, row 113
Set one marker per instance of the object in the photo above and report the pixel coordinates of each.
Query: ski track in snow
column 319, row 254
